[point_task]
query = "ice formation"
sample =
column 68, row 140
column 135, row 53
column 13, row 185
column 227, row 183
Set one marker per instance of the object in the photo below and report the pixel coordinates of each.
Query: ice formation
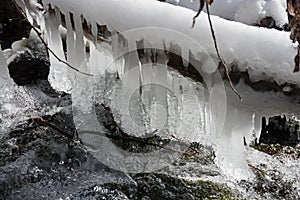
column 265, row 54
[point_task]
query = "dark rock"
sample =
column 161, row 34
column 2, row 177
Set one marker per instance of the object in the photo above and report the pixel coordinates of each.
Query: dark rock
column 267, row 22
column 27, row 69
column 14, row 27
column 280, row 131
column 30, row 64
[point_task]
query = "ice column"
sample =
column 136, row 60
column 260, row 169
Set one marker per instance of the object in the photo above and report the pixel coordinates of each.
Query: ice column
column 58, row 71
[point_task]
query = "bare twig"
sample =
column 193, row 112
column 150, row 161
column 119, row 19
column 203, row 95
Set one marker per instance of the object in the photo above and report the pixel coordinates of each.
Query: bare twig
column 202, row 2
column 198, row 13
column 218, row 54
column 45, row 44
column 48, row 123
column 144, row 142
column 189, row 146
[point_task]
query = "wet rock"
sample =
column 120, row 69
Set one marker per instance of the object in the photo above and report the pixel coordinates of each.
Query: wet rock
column 280, row 130
column 26, row 69
column 161, row 186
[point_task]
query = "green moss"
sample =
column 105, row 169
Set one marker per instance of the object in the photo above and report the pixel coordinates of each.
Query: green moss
column 277, row 149
column 269, row 149
column 162, row 186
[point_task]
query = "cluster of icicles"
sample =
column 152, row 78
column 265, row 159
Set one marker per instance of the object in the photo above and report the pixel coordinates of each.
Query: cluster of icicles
column 144, row 93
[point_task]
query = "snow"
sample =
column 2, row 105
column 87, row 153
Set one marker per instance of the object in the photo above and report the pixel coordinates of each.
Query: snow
column 246, row 11
column 266, row 55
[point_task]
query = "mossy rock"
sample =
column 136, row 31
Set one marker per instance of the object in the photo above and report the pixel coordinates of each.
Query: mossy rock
column 272, row 149
column 162, row 186
column 277, row 149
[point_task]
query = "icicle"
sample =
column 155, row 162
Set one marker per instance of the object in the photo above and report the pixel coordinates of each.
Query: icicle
column 117, row 51
column 146, row 64
column 55, row 40
column 185, row 54
column 131, row 56
column 100, row 60
column 230, row 147
column 70, row 40
column 257, row 124
column 79, row 43
column 133, row 86
column 58, row 70
column 203, row 132
column 131, row 67
column 159, row 105
column 94, row 31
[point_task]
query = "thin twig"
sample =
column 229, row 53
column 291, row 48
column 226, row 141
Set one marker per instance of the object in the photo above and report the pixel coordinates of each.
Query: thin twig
column 218, row 54
column 195, row 151
column 45, row 44
column 144, row 142
column 48, row 123
column 198, row 13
